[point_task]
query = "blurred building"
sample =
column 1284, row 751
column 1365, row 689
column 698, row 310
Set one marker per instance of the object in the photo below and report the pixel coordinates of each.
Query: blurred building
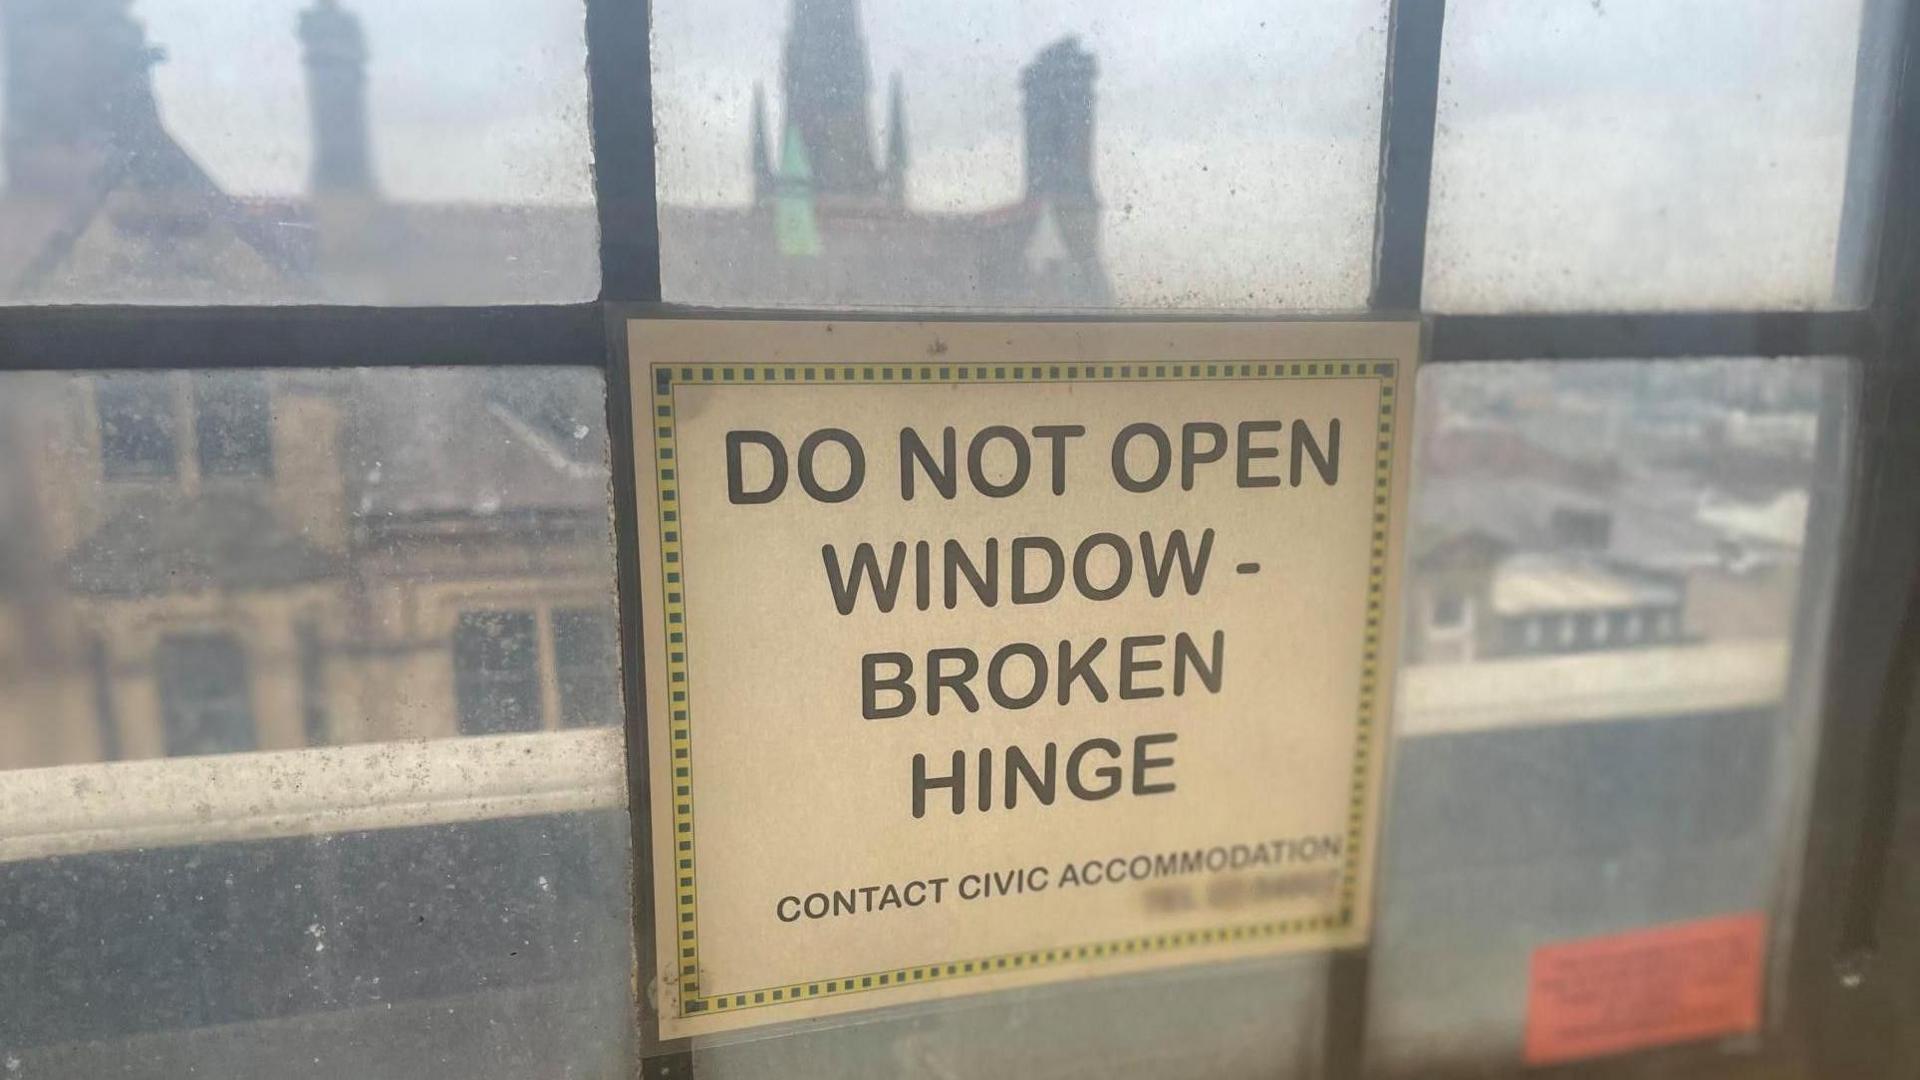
column 101, row 201
column 1479, row 597
column 1606, row 509
column 829, row 224
column 220, row 561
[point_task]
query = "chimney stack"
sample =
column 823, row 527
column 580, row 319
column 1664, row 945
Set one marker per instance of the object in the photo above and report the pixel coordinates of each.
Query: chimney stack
column 335, row 51
column 1057, row 88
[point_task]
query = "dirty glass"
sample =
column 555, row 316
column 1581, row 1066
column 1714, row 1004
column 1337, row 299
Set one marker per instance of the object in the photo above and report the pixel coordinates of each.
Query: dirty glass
column 295, row 151
column 1615, row 619
column 987, row 153
column 251, row 820
column 1615, row 154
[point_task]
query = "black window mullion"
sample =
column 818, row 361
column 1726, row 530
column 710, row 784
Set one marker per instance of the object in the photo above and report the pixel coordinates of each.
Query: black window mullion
column 1407, row 115
column 1845, row 996
column 619, row 69
column 1409, row 106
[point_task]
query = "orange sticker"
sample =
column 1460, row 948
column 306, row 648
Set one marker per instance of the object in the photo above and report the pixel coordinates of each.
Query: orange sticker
column 1669, row 984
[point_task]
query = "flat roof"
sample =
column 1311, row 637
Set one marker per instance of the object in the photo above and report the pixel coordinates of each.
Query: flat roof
column 1594, row 687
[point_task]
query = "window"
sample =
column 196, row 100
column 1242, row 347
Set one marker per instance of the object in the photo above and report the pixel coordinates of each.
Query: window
column 496, row 664
column 585, row 665
column 233, row 424
column 136, row 426
column 205, row 699
column 362, row 877
column 348, row 510
column 1643, row 756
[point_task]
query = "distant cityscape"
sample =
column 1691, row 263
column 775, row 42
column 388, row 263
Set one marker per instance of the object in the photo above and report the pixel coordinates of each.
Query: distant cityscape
column 200, row 562
column 1565, row 508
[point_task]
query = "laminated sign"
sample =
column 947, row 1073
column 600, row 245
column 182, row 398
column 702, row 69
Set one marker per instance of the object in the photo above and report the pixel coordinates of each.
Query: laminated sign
column 982, row 655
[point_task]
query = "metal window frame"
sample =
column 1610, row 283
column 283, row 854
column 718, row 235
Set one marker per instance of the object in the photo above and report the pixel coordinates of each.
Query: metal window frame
column 1874, row 651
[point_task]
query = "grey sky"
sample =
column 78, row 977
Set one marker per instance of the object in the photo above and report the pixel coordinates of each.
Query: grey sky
column 1590, row 152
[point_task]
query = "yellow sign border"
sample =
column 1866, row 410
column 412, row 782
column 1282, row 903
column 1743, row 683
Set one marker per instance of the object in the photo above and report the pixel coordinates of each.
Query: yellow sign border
column 664, row 377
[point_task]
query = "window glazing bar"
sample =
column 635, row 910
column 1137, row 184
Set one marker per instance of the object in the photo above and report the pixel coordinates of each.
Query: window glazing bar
column 105, row 337
column 1406, row 153
column 1648, row 336
column 619, row 70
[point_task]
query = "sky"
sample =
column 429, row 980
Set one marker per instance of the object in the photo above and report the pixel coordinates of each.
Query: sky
column 1589, row 151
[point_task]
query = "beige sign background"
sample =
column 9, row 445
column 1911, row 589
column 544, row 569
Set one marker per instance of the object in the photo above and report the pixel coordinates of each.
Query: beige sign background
column 1118, row 701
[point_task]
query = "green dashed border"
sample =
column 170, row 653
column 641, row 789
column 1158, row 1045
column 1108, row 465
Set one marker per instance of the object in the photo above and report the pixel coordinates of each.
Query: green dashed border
column 680, row 729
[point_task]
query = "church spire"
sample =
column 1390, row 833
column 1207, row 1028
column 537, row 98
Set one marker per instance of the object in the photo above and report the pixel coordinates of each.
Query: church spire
column 826, row 82
column 896, row 179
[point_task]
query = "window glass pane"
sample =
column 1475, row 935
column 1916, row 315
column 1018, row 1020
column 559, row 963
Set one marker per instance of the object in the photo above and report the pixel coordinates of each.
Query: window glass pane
column 985, row 153
column 1645, row 154
column 1615, row 619
column 205, row 696
column 341, row 834
column 232, row 426
column 193, row 151
column 135, row 416
column 496, row 672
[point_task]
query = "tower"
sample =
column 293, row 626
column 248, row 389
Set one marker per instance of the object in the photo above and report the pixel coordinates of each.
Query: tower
column 825, row 83
column 1057, row 93
column 1064, row 243
column 335, row 50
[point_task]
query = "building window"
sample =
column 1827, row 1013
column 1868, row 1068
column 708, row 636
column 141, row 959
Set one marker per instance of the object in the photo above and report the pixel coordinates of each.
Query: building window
column 136, row 426
column 496, row 672
column 233, row 424
column 1532, row 633
column 584, row 663
column 1449, row 611
column 204, row 701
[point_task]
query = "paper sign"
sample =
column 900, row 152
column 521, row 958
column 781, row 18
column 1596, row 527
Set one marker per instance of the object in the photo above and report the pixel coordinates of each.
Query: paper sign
column 1670, row 984
column 979, row 655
